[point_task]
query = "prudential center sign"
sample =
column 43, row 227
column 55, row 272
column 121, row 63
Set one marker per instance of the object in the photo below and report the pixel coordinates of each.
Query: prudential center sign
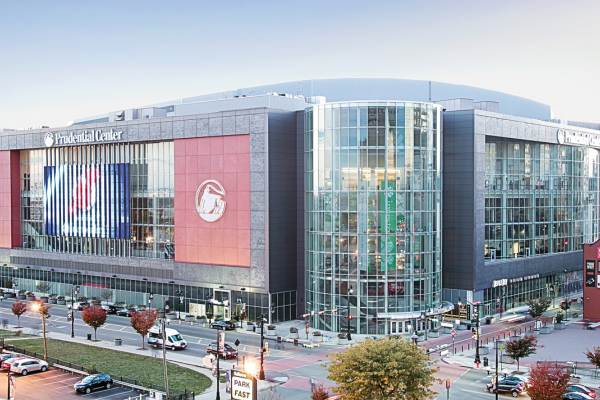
column 94, row 136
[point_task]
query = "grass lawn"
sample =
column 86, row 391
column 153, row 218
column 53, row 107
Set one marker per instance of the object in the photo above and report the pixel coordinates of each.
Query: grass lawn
column 117, row 363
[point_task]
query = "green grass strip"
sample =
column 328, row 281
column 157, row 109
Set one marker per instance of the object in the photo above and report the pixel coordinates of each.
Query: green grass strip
column 116, row 363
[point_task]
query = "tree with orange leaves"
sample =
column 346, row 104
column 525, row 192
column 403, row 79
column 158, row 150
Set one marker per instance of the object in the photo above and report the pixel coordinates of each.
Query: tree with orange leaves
column 19, row 309
column 547, row 381
column 94, row 316
column 143, row 321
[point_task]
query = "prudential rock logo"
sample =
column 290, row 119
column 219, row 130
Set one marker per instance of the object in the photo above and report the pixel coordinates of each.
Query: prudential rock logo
column 49, row 139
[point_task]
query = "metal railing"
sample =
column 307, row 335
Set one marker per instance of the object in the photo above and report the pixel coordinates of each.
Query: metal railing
column 573, row 366
column 174, row 394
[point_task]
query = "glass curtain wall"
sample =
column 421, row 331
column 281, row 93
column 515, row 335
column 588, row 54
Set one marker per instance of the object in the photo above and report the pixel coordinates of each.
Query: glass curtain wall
column 150, row 195
column 373, row 212
column 540, row 198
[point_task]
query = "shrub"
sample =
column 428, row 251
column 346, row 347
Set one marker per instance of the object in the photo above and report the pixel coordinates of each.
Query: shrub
column 271, row 327
column 293, row 330
column 316, row 333
column 201, row 317
column 22, row 292
column 119, row 304
column 250, row 323
column 92, row 369
column 189, row 316
column 342, row 336
column 82, row 299
column 52, row 296
column 61, row 298
column 432, row 330
column 18, row 332
column 559, row 317
column 30, row 294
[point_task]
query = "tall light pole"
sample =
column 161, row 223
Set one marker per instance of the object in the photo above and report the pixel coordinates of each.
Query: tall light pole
column 44, row 312
column 350, row 292
column 164, row 342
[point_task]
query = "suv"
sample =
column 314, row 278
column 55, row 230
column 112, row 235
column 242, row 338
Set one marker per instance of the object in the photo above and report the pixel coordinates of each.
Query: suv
column 126, row 312
column 109, row 309
column 515, row 388
column 93, row 382
column 28, row 365
column 228, row 351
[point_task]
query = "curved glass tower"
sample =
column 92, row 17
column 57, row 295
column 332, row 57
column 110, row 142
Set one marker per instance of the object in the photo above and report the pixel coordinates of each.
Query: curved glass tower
column 373, row 215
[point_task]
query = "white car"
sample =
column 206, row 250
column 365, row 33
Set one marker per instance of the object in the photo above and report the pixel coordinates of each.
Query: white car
column 28, row 365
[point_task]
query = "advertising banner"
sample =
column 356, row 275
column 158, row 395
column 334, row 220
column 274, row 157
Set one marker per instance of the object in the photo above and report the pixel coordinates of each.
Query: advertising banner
column 87, row 201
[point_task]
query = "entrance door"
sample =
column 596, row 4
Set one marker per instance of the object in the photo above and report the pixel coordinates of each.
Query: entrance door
column 399, row 327
column 222, row 302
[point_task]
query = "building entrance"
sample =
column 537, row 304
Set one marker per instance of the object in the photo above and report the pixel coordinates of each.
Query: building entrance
column 399, row 327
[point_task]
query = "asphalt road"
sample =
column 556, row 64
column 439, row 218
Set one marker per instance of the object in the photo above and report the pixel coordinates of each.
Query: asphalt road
column 197, row 337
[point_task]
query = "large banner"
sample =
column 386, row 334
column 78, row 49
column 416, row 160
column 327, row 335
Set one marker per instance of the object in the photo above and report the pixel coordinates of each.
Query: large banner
column 87, row 200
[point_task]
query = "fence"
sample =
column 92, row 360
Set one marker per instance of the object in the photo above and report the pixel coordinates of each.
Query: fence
column 174, row 394
column 572, row 366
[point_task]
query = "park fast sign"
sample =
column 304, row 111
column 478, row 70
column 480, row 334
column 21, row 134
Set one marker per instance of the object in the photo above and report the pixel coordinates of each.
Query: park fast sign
column 243, row 386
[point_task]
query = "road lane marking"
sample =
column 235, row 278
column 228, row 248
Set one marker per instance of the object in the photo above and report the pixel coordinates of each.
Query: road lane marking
column 199, row 341
column 121, row 330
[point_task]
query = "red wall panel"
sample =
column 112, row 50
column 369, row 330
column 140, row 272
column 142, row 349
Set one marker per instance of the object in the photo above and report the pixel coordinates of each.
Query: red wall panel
column 10, row 212
column 225, row 159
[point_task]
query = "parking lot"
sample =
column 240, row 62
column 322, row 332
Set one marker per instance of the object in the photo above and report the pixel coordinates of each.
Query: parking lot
column 55, row 384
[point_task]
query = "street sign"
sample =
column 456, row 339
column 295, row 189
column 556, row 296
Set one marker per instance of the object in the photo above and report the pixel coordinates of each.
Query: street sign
column 237, row 342
column 453, row 333
column 447, row 384
column 243, row 386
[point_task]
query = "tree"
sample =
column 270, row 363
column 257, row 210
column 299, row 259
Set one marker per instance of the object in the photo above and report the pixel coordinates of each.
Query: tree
column 593, row 356
column 383, row 369
column 521, row 348
column 547, row 382
column 538, row 307
column 94, row 316
column 106, row 294
column 43, row 287
column 565, row 306
column 143, row 321
column 19, row 309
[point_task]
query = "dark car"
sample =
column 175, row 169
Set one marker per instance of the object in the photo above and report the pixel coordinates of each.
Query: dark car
column 228, row 351
column 576, row 396
column 4, row 357
column 515, row 378
column 581, row 389
column 93, row 382
column 109, row 309
column 226, row 325
column 514, row 387
column 126, row 312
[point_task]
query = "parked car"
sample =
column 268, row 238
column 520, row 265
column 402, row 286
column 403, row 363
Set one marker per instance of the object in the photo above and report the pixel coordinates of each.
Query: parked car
column 109, row 309
column 576, row 396
column 28, row 365
column 4, row 357
column 126, row 312
column 8, row 362
column 515, row 388
column 79, row 305
column 228, row 351
column 226, row 325
column 581, row 389
column 93, row 382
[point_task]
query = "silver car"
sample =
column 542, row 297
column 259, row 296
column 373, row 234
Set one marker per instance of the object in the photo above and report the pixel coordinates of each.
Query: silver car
column 28, row 365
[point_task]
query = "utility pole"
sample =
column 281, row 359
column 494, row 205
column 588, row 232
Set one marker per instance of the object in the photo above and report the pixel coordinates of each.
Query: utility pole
column 164, row 348
column 219, row 356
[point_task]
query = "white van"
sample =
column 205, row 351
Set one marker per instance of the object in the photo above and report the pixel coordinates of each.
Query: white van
column 174, row 339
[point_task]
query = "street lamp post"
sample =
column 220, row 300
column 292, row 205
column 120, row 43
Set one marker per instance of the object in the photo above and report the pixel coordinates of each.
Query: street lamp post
column 261, row 374
column 180, row 294
column 162, row 320
column 150, row 297
column 74, row 293
column 350, row 292
column 476, row 311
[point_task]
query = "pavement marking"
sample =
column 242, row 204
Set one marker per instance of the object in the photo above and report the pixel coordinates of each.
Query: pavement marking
column 104, row 391
column 105, row 326
column 43, row 379
column 479, row 392
column 121, row 330
column 64, row 380
column 199, row 341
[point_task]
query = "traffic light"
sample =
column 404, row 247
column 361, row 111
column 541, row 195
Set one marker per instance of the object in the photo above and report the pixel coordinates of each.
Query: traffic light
column 266, row 347
column 350, row 317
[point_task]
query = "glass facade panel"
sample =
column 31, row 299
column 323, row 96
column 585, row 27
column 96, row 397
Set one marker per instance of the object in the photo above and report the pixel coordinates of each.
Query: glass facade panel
column 85, row 190
column 540, row 198
column 373, row 218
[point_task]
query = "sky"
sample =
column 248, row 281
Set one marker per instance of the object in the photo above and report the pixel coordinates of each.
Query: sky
column 62, row 60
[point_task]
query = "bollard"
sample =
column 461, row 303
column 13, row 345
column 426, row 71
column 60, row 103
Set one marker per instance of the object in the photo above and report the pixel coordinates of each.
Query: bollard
column 462, row 348
column 468, row 346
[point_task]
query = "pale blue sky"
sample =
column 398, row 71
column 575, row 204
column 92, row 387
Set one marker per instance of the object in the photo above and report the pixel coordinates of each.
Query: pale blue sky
column 61, row 60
